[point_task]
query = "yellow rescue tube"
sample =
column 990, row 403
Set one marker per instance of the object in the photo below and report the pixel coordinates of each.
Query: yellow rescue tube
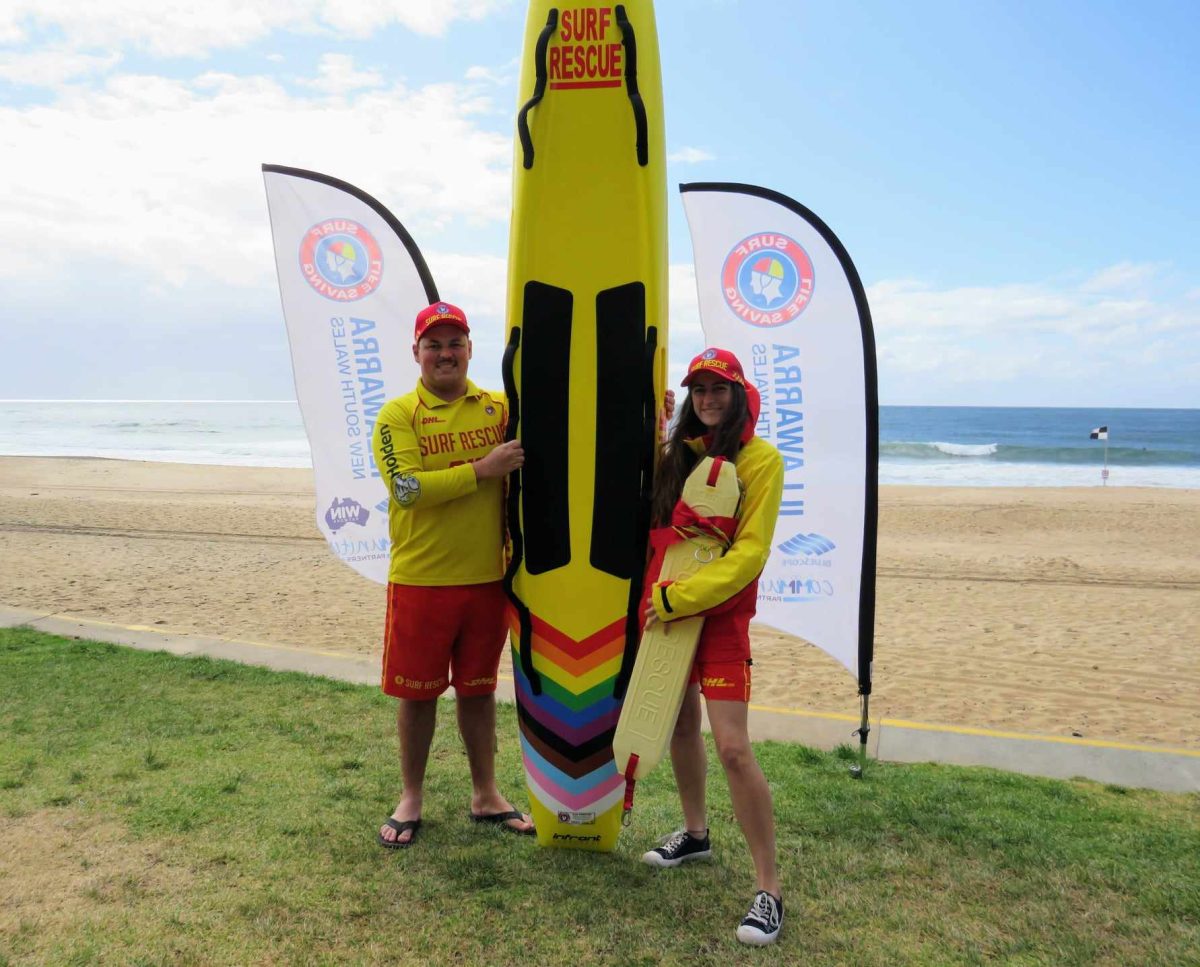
column 665, row 655
column 584, row 369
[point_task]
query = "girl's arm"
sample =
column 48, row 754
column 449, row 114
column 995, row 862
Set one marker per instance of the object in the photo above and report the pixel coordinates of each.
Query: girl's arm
column 760, row 469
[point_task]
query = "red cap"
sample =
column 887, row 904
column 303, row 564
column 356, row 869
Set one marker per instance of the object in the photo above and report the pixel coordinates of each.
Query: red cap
column 439, row 314
column 719, row 362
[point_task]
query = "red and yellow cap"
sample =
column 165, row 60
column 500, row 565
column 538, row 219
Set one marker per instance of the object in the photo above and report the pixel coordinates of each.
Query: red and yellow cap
column 719, row 362
column 440, row 314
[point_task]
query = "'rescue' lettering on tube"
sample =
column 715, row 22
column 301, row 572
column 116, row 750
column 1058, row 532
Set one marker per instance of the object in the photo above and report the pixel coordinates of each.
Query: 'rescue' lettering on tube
column 588, row 52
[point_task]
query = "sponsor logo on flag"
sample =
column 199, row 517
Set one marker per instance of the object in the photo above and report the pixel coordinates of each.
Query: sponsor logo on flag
column 346, row 510
column 813, row 545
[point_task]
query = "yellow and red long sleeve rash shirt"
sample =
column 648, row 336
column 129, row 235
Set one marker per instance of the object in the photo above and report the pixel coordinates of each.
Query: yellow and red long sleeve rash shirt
column 760, row 472
column 445, row 526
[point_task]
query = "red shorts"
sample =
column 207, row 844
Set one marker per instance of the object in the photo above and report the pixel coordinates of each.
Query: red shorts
column 435, row 637
column 722, row 667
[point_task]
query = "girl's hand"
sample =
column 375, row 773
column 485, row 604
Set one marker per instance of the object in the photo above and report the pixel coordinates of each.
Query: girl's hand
column 668, row 412
column 651, row 616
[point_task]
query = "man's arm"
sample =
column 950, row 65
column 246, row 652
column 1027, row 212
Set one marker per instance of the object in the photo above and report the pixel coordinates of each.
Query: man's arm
column 397, row 449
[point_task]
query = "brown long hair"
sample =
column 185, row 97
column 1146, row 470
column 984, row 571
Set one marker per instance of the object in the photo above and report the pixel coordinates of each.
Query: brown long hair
column 678, row 459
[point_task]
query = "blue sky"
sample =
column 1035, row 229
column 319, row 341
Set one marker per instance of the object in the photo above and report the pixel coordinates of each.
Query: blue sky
column 1015, row 182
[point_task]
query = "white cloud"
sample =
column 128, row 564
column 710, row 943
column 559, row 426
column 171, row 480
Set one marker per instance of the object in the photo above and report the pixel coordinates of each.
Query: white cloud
column 1120, row 330
column 1122, row 277
column 1090, row 308
column 163, row 175
column 53, row 66
column 685, row 303
column 477, row 283
column 504, row 75
column 336, row 74
column 690, row 156
column 192, row 30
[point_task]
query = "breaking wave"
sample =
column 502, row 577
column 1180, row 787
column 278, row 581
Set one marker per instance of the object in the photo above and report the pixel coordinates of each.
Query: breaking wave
column 1004, row 453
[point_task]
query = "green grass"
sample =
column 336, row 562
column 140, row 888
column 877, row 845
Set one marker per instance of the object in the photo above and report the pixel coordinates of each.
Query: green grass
column 221, row 814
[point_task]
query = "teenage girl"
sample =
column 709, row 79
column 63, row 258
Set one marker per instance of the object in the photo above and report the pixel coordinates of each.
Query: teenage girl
column 717, row 419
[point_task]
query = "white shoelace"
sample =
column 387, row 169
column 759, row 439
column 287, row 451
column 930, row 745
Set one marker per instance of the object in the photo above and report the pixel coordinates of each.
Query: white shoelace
column 675, row 840
column 765, row 910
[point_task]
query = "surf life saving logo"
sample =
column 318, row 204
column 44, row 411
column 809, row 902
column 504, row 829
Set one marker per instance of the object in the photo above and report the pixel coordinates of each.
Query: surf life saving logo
column 341, row 260
column 767, row 279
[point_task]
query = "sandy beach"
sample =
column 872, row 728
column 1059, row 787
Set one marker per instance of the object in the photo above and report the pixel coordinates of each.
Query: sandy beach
column 1053, row 611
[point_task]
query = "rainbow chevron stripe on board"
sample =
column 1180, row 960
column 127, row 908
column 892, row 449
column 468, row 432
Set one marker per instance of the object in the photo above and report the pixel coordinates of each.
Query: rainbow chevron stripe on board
column 566, row 734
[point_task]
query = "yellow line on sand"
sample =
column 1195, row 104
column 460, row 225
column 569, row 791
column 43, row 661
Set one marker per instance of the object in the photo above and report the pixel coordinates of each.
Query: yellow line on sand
column 965, row 730
column 160, row 630
column 988, row 733
column 798, row 713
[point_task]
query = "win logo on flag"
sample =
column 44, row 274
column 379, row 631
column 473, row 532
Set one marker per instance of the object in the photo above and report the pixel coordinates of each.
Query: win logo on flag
column 1100, row 433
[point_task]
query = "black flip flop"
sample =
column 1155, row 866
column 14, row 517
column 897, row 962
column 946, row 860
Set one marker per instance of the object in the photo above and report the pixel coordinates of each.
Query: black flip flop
column 400, row 826
column 501, row 820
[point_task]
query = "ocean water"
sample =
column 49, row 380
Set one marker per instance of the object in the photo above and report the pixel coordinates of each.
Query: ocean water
column 233, row 433
column 984, row 446
column 920, row 445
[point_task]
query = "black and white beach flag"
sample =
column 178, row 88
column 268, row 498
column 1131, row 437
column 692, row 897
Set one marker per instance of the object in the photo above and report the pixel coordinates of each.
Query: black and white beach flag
column 1100, row 433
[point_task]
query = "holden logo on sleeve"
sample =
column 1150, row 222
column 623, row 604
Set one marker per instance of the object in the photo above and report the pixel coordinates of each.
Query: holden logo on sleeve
column 767, row 279
column 341, row 260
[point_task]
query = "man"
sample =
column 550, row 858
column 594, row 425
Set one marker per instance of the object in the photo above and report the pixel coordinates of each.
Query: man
column 441, row 451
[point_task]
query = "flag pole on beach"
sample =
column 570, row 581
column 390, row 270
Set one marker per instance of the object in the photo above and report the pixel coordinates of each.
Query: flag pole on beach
column 1101, row 433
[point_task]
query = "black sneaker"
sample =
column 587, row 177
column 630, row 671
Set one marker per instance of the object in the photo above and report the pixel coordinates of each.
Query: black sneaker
column 762, row 924
column 679, row 847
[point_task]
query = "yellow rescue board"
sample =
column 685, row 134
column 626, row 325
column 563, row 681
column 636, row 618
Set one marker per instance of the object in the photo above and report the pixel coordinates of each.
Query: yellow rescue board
column 585, row 370
column 665, row 655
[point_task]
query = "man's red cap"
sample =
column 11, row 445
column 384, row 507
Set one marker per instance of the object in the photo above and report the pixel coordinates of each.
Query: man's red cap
column 719, row 362
column 439, row 314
